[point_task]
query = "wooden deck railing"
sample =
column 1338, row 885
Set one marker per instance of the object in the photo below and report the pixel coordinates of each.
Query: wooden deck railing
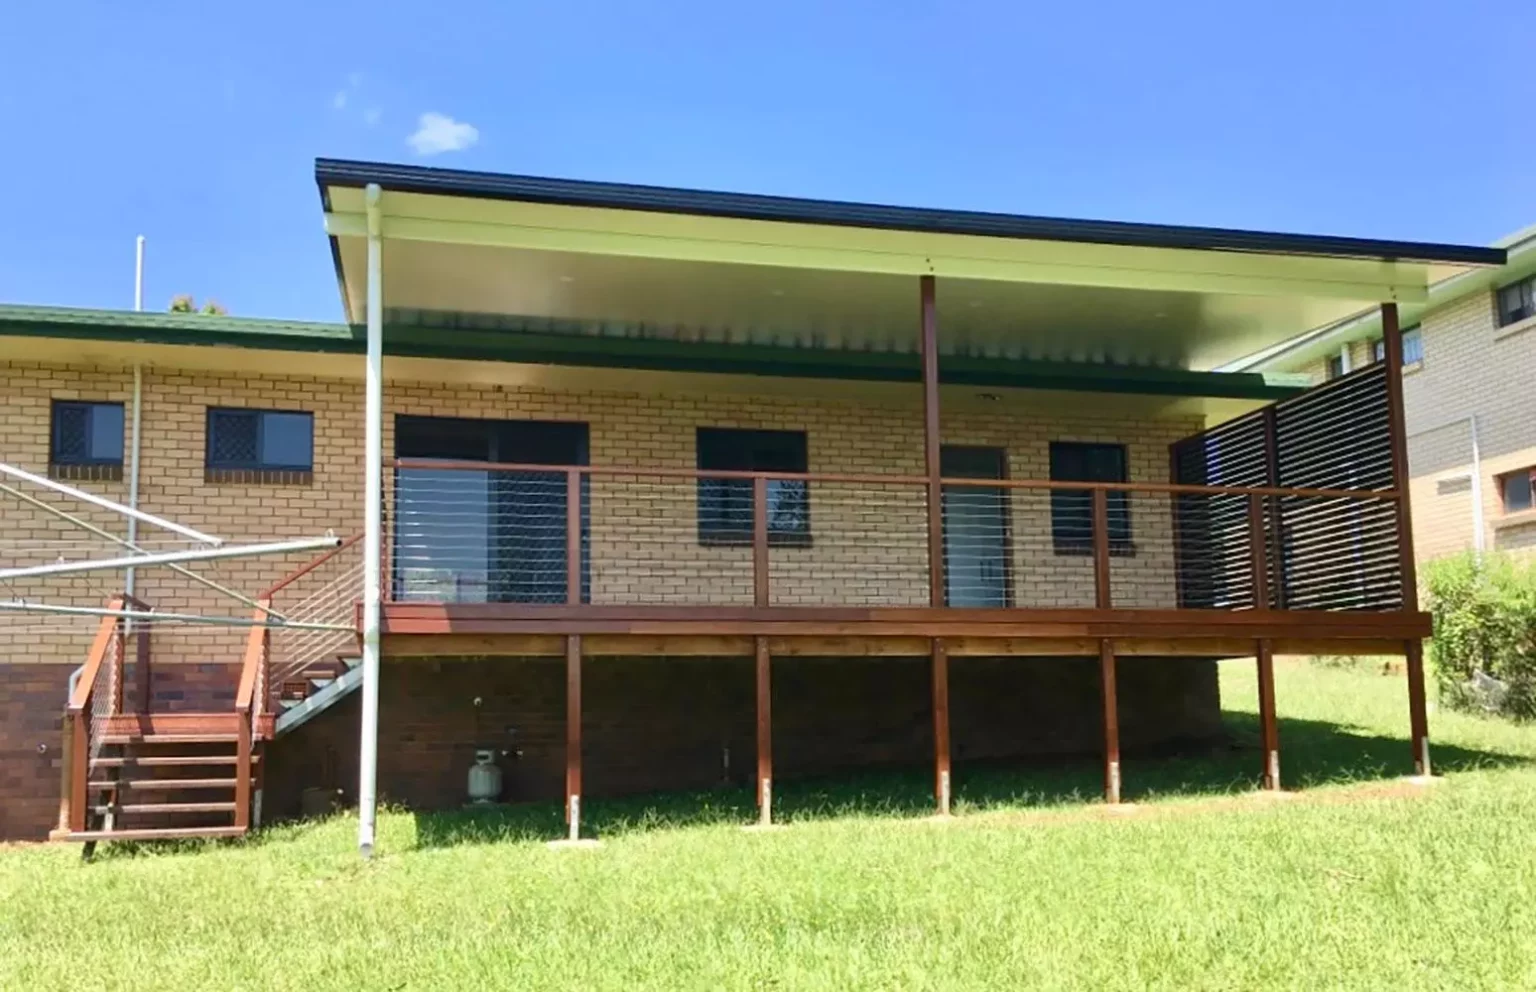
column 626, row 535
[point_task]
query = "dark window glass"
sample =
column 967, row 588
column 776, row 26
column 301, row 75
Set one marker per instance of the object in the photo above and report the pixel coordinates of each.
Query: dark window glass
column 1378, row 350
column 1335, row 367
column 726, row 505
column 1516, row 490
column 260, row 440
column 87, row 433
column 1517, row 301
column 1072, row 511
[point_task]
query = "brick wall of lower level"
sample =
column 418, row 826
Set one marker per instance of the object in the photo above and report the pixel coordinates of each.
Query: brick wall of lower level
column 31, row 730
column 677, row 723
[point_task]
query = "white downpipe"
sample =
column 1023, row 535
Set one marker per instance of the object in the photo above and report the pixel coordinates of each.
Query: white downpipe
column 134, row 446
column 1474, row 477
column 1478, row 538
column 1344, row 359
column 373, row 528
column 108, row 504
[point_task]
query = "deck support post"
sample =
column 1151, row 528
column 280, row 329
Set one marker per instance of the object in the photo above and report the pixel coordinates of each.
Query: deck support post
column 1418, row 709
column 931, row 461
column 764, row 732
column 1111, row 721
column 1269, row 732
column 941, row 766
column 573, row 736
column 373, row 527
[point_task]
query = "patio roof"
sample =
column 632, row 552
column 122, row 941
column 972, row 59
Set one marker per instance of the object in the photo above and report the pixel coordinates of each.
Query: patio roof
column 621, row 261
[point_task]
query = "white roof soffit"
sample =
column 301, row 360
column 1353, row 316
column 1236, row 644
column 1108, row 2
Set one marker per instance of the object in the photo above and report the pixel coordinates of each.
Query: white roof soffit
column 804, row 283
column 1366, row 324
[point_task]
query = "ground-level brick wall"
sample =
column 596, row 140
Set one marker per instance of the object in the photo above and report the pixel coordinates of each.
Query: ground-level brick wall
column 678, row 723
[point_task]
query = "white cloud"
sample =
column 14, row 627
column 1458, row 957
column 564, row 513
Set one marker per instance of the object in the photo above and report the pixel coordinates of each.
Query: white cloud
column 371, row 116
column 339, row 101
column 436, row 133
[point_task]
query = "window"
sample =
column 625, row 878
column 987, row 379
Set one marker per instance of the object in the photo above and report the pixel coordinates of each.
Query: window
column 259, row 446
column 726, row 505
column 1515, row 489
column 1413, row 347
column 1335, row 368
column 86, row 440
column 1072, row 511
column 1517, row 301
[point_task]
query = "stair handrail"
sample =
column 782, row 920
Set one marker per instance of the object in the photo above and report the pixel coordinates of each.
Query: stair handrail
column 76, row 766
column 298, row 573
column 248, row 705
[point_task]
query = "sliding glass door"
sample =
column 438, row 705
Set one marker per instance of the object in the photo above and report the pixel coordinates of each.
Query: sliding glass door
column 485, row 536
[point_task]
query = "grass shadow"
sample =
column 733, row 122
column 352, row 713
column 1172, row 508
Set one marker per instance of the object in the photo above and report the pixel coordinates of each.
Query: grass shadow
column 1313, row 753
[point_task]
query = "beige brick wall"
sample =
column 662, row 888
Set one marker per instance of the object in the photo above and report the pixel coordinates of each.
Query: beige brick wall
column 868, row 541
column 1471, row 366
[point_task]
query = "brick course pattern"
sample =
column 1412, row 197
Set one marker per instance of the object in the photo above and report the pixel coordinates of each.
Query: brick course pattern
column 868, row 548
column 868, row 542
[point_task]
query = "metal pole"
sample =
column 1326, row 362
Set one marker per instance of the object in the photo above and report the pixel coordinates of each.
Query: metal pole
column 108, row 535
column 160, row 616
column 138, row 273
column 134, row 446
column 167, row 557
column 373, row 528
column 109, row 504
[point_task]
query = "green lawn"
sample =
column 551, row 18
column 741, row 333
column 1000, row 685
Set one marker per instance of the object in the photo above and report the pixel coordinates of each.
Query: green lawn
column 1357, row 883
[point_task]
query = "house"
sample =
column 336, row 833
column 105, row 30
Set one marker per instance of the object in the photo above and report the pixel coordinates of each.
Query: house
column 1468, row 360
column 642, row 488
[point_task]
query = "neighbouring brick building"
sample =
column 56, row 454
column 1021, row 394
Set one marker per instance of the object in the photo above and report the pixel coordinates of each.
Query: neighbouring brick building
column 679, row 489
column 1471, row 412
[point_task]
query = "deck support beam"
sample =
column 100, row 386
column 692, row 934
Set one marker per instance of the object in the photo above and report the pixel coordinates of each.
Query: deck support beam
column 764, row 732
column 931, row 460
column 1418, row 710
column 1107, row 689
column 941, row 766
column 1269, row 731
column 573, row 736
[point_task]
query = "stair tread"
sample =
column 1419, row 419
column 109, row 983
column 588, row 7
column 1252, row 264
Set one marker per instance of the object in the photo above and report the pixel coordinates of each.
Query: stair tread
column 153, row 738
column 150, row 833
column 127, row 808
column 159, row 784
column 167, row 760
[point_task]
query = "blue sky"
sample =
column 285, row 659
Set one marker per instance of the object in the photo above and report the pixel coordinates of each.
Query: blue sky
column 197, row 124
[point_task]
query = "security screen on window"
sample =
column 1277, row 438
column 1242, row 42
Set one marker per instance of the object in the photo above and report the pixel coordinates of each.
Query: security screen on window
column 726, row 505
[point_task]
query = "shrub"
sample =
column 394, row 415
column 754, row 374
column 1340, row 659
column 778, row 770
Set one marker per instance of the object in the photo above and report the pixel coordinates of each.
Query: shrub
column 1484, row 647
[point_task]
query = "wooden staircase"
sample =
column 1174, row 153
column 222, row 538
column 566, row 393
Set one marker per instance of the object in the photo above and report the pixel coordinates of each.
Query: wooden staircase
column 165, row 776
column 133, row 776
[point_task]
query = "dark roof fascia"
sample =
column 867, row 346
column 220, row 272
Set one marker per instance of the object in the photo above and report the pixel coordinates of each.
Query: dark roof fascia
column 661, row 199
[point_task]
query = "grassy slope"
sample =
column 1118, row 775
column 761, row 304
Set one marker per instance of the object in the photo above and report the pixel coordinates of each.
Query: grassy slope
column 1350, row 886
